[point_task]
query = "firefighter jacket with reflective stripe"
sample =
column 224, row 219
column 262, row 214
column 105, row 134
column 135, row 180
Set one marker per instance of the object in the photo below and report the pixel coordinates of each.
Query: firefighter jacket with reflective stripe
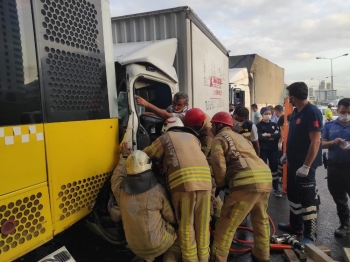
column 235, row 163
column 206, row 136
column 183, row 161
column 145, row 216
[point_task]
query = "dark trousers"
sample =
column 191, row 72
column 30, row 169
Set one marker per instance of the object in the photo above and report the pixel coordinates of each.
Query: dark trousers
column 272, row 157
column 339, row 187
column 301, row 192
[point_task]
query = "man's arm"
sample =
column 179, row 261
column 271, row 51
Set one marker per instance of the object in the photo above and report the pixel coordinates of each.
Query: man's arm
column 256, row 147
column 254, row 138
column 315, row 137
column 119, row 173
column 118, row 177
column 218, row 162
column 155, row 150
column 155, row 110
column 327, row 144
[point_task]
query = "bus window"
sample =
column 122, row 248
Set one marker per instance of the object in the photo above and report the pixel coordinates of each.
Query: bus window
column 19, row 85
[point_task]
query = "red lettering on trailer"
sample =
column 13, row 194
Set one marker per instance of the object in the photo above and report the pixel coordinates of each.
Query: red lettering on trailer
column 215, row 82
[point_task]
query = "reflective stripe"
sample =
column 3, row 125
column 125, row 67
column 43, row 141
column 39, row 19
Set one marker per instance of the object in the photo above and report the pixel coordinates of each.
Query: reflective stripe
column 309, row 209
column 166, row 206
column 154, row 150
column 294, row 205
column 188, row 251
column 188, row 178
column 254, row 180
column 189, row 174
column 310, row 217
column 295, row 212
column 217, row 147
column 203, row 243
column 275, row 178
column 256, row 172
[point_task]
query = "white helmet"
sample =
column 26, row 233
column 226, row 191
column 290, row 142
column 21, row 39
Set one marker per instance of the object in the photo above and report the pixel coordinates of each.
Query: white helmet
column 330, row 104
column 171, row 122
column 138, row 162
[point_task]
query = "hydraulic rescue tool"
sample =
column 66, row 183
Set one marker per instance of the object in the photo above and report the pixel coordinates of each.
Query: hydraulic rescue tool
column 287, row 239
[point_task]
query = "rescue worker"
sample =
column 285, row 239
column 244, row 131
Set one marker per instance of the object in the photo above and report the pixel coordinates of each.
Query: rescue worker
column 245, row 127
column 177, row 109
column 328, row 112
column 336, row 137
column 304, row 154
column 269, row 135
column 236, row 165
column 200, row 122
column 146, row 212
column 189, row 181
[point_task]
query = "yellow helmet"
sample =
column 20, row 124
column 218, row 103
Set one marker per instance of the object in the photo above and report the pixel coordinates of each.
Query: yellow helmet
column 138, row 162
column 171, row 122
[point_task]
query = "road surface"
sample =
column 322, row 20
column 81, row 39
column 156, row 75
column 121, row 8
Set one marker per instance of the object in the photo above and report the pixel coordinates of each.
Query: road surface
column 86, row 246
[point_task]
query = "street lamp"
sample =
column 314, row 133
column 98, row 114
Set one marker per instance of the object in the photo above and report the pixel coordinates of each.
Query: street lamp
column 331, row 64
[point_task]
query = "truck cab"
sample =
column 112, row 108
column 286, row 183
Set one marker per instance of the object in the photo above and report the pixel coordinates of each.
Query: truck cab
column 145, row 69
column 239, row 93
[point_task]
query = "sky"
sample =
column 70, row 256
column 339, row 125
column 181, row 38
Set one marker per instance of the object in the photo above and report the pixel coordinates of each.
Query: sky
column 290, row 34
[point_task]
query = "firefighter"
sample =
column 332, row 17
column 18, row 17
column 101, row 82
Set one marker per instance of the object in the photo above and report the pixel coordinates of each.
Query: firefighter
column 236, row 165
column 189, row 181
column 200, row 122
column 146, row 212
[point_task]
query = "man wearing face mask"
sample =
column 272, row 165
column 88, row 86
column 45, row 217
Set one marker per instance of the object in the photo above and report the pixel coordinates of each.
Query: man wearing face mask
column 304, row 154
column 245, row 127
column 269, row 135
column 177, row 109
column 336, row 137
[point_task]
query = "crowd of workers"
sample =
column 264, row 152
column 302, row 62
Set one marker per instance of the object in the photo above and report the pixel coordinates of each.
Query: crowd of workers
column 202, row 156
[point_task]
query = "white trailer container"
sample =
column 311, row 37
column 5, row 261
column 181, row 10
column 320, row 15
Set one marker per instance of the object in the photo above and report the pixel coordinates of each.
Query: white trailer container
column 160, row 53
column 201, row 61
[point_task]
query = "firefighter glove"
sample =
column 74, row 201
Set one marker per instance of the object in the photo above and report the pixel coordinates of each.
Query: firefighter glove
column 283, row 159
column 303, row 171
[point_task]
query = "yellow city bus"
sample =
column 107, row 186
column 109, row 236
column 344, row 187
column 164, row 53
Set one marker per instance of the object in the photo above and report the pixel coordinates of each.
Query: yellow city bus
column 58, row 117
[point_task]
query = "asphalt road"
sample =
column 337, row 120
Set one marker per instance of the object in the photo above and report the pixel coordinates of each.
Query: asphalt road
column 86, row 246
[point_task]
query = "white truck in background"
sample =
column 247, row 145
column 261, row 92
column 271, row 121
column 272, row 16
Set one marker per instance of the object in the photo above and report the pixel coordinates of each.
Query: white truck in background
column 265, row 81
column 158, row 54
column 239, row 87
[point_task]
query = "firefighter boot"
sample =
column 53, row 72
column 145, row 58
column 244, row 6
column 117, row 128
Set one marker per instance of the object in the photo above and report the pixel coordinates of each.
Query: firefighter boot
column 343, row 230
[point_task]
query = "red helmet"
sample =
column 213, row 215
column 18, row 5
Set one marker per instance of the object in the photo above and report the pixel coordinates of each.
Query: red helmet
column 194, row 117
column 223, row 118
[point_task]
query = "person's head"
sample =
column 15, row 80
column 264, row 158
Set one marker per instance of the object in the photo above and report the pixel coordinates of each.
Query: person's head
column 279, row 110
column 266, row 113
column 271, row 109
column 330, row 105
column 240, row 115
column 219, row 121
column 344, row 110
column 254, row 107
column 180, row 102
column 232, row 107
column 137, row 163
column 194, row 118
column 171, row 122
column 297, row 92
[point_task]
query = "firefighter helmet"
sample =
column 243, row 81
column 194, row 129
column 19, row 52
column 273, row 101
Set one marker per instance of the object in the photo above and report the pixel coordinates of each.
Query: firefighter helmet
column 138, row 162
column 223, row 118
column 171, row 122
column 194, row 117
